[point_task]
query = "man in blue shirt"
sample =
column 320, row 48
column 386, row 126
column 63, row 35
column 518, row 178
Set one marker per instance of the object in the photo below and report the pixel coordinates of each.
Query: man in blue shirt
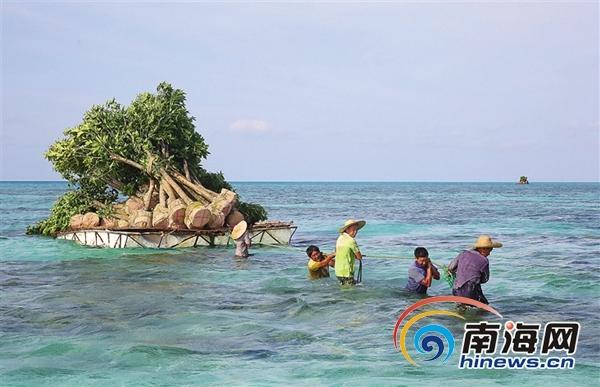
column 421, row 272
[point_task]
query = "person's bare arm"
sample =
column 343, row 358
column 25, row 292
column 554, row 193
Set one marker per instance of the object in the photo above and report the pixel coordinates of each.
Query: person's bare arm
column 332, row 260
column 358, row 255
column 324, row 262
column 434, row 271
column 428, row 277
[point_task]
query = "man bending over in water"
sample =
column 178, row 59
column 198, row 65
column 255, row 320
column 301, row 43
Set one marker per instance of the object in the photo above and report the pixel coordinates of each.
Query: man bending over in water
column 318, row 264
column 422, row 272
column 472, row 269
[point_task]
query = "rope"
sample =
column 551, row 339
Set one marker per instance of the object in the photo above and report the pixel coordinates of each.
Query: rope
column 444, row 274
column 385, row 256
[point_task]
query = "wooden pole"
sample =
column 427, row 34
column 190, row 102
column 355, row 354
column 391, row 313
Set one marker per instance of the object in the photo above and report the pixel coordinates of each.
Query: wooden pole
column 176, row 187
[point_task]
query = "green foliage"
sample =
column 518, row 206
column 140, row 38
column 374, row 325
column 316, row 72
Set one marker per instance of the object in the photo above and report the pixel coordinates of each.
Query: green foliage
column 106, row 212
column 71, row 203
column 214, row 181
column 447, row 276
column 155, row 132
column 82, row 157
column 252, row 212
column 155, row 126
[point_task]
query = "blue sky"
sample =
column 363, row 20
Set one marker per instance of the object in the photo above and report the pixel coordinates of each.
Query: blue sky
column 435, row 91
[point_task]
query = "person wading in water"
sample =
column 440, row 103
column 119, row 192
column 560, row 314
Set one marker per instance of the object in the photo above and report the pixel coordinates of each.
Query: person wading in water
column 472, row 268
column 318, row 264
column 347, row 251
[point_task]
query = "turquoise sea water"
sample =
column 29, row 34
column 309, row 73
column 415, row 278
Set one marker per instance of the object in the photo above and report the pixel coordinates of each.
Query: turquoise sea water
column 71, row 315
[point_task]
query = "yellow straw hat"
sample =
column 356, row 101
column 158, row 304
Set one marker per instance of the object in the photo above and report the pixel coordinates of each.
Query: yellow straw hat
column 351, row 222
column 239, row 229
column 486, row 242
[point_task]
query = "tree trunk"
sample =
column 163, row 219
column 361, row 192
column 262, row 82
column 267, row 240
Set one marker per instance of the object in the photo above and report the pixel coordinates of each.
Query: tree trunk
column 176, row 214
column 205, row 193
column 134, row 204
column 234, row 218
column 169, row 191
column 196, row 215
column 109, row 222
column 143, row 219
column 128, row 162
column 176, row 187
column 76, row 222
column 90, row 220
column 122, row 223
column 148, row 195
column 216, row 220
column 160, row 217
column 186, row 169
column 223, row 202
column 162, row 196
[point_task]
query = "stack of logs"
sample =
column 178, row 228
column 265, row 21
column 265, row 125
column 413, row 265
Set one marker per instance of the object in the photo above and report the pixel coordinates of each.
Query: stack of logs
column 175, row 202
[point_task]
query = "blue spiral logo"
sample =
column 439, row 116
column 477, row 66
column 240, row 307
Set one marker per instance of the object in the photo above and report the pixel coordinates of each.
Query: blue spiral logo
column 430, row 338
column 424, row 340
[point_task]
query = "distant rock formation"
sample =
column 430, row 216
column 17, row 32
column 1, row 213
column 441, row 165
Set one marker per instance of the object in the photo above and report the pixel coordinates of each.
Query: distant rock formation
column 523, row 180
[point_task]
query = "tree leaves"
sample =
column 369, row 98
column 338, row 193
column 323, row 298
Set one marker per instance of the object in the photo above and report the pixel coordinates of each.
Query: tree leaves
column 155, row 131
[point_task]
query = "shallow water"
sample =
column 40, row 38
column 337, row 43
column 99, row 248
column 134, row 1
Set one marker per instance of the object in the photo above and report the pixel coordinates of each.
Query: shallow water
column 72, row 315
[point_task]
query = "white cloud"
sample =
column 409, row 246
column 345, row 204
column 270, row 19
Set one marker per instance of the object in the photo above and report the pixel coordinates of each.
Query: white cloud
column 250, row 126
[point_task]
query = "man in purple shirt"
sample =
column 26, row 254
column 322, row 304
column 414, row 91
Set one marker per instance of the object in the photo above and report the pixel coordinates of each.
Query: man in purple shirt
column 472, row 268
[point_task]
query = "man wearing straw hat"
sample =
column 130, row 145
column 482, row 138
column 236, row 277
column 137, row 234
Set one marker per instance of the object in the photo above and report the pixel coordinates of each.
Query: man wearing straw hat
column 472, row 268
column 346, row 251
column 242, row 239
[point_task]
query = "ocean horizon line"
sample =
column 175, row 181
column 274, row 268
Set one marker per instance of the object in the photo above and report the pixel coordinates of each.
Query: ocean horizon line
column 357, row 181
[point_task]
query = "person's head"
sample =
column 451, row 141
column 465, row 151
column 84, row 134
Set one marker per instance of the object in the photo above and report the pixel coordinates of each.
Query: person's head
column 421, row 256
column 313, row 252
column 485, row 251
column 352, row 230
column 351, row 227
column 485, row 244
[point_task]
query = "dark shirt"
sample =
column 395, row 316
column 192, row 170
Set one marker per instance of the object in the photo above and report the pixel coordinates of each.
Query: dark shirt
column 470, row 266
column 416, row 274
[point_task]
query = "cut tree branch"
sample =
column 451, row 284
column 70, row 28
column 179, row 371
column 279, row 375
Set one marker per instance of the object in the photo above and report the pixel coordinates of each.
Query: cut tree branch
column 186, row 169
column 148, row 195
column 127, row 161
column 168, row 190
column 162, row 196
column 176, row 187
column 205, row 193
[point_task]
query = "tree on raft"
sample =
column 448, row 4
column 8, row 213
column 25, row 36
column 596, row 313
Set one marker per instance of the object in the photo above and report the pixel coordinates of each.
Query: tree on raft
column 150, row 152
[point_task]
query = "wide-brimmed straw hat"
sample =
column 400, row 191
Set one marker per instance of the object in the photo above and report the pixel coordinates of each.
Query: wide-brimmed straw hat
column 239, row 229
column 486, row 242
column 350, row 222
